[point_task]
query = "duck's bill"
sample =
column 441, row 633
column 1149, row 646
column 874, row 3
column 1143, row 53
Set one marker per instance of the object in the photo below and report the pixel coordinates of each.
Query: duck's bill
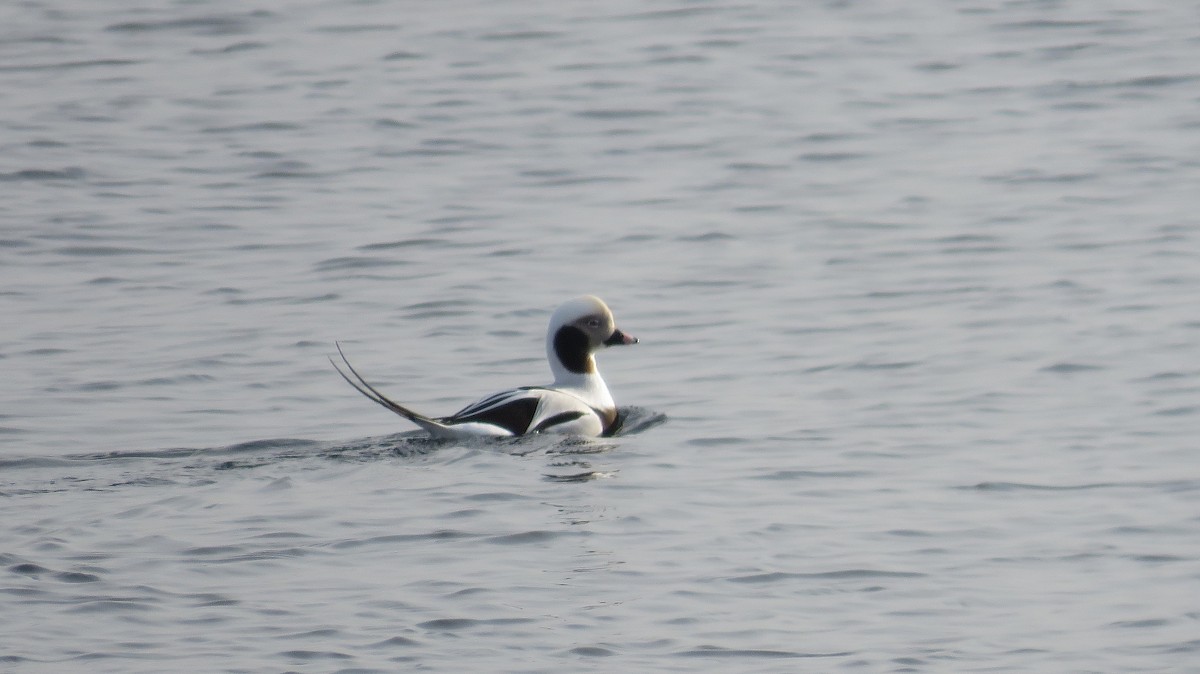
column 619, row 337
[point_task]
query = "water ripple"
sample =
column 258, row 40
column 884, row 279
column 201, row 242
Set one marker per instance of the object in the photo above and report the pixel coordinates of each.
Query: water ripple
column 720, row 652
column 69, row 173
column 835, row 575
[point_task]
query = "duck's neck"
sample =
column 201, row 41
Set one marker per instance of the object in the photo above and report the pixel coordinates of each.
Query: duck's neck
column 574, row 366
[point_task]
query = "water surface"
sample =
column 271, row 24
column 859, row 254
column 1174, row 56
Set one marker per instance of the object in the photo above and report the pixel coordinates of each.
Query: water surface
column 916, row 289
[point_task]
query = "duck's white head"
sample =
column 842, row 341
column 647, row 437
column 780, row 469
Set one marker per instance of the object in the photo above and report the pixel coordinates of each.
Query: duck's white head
column 578, row 329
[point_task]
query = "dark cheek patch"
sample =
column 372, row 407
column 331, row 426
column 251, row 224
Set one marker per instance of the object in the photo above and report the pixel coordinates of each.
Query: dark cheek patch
column 571, row 347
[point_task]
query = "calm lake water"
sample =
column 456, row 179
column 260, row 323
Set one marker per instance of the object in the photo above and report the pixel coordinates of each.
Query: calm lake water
column 918, row 289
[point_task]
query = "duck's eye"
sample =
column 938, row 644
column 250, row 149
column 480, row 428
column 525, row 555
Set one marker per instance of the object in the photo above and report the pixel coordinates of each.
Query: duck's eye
column 594, row 323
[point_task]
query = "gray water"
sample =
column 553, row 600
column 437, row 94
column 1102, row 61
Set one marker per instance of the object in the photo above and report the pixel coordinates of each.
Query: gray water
column 917, row 288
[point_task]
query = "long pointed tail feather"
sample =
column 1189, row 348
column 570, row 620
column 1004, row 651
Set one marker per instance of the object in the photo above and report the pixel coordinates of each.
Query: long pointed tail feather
column 372, row 393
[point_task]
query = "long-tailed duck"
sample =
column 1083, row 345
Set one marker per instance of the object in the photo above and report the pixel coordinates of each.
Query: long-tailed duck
column 577, row 403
